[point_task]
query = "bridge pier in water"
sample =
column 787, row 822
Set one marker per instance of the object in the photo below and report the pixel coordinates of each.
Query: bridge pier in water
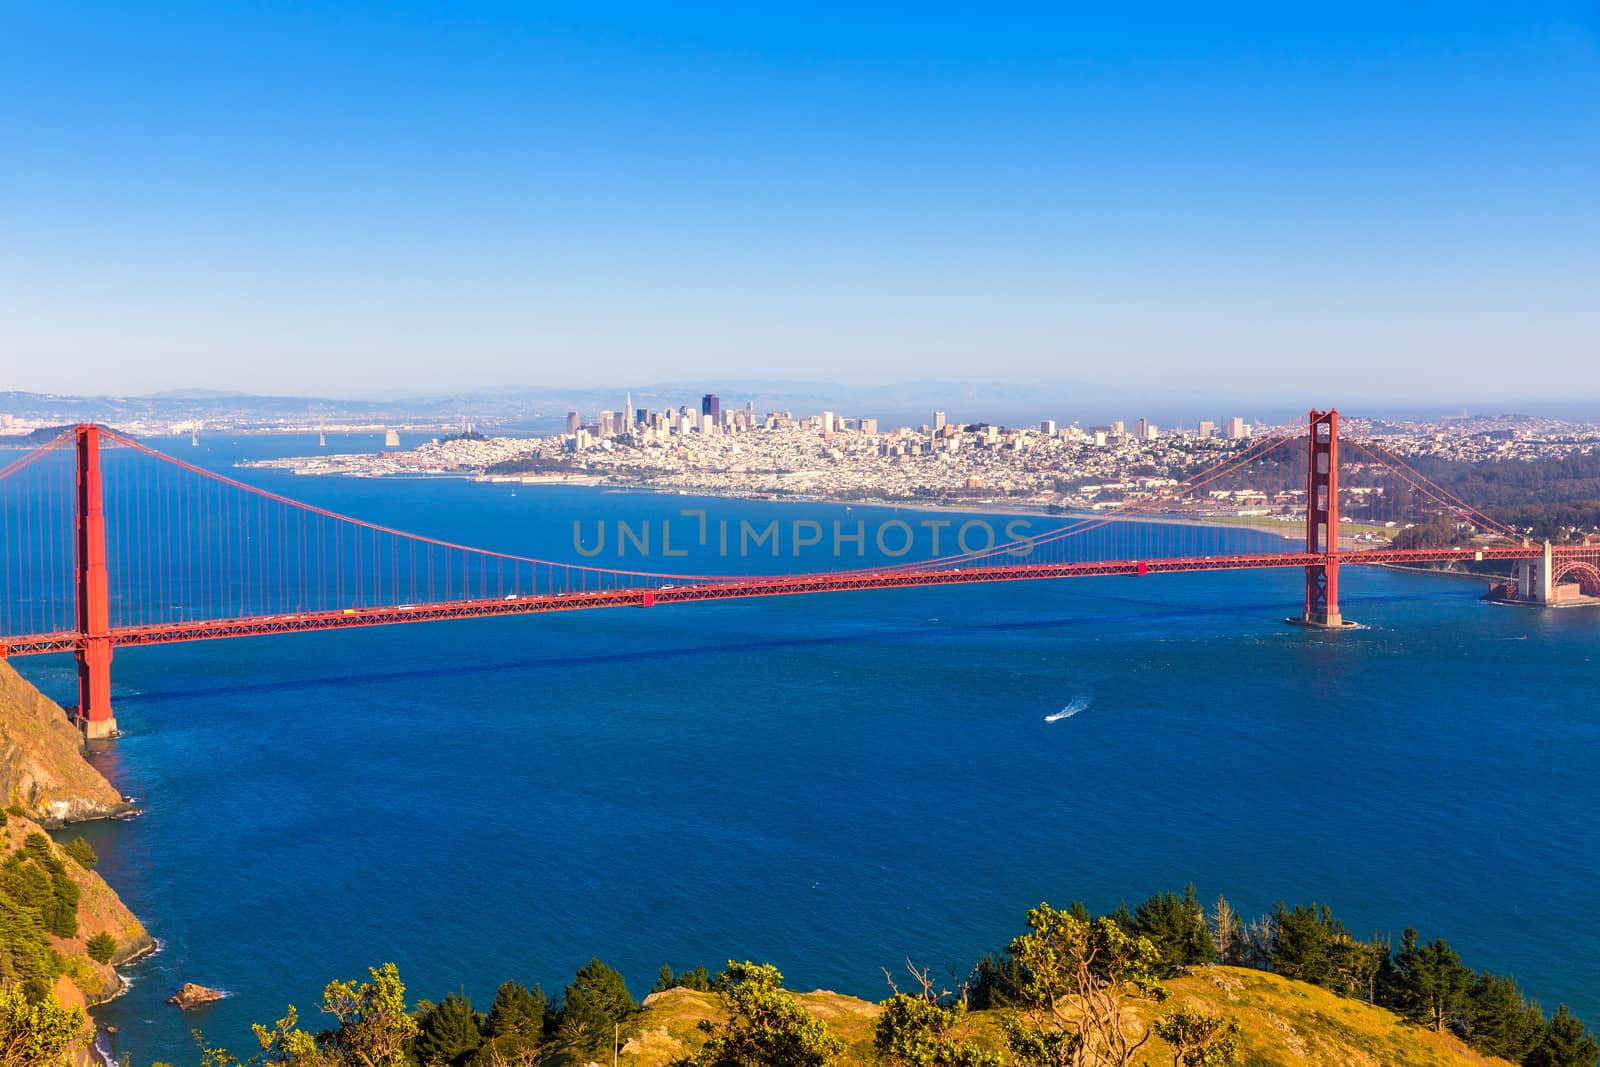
column 94, row 611
column 1322, row 524
column 1536, row 578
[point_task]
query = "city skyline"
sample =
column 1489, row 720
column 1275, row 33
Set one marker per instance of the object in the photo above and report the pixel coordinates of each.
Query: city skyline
column 407, row 198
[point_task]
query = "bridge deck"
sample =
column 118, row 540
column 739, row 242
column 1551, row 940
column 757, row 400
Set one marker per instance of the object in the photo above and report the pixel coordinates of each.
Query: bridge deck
column 733, row 588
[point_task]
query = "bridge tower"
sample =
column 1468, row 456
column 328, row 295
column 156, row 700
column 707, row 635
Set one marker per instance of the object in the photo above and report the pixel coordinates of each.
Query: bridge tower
column 1322, row 523
column 94, row 610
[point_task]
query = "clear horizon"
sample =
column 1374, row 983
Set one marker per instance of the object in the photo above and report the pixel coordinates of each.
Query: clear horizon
column 411, row 199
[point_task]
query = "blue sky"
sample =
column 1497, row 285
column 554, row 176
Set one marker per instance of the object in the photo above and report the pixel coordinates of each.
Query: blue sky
column 322, row 198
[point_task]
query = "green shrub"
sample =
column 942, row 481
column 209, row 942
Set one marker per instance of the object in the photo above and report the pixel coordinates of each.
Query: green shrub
column 80, row 850
column 102, row 947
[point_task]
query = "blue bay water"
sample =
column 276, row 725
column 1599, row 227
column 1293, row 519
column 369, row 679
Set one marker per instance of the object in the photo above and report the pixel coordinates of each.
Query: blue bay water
column 830, row 783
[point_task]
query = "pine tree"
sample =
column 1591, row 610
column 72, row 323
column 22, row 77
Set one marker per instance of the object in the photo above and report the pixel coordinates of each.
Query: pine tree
column 1227, row 932
column 1499, row 1020
column 1302, row 942
column 448, row 1032
column 1566, row 1044
column 517, row 1011
column 592, row 1004
column 1430, row 980
column 1177, row 928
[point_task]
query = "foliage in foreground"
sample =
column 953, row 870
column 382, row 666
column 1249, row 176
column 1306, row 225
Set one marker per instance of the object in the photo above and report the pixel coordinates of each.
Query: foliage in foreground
column 1071, row 991
column 39, row 1032
column 766, row 1025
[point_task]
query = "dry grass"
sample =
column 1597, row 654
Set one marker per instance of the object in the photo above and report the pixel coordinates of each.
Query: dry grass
column 1285, row 1023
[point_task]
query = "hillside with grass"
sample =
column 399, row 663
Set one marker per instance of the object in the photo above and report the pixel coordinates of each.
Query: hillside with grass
column 1283, row 1022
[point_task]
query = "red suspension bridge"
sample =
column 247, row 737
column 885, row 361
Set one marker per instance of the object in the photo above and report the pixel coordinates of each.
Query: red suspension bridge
column 106, row 543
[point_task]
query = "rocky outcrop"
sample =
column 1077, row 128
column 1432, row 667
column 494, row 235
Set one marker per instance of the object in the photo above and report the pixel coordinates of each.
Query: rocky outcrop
column 192, row 996
column 42, row 768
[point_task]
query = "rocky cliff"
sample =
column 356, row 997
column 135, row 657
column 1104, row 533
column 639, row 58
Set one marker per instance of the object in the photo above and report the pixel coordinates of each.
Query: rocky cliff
column 99, row 911
column 42, row 769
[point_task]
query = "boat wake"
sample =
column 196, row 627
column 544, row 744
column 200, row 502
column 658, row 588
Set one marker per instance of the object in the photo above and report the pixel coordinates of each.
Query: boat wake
column 1078, row 704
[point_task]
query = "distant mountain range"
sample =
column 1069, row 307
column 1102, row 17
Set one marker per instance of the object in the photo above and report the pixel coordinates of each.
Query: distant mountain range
column 909, row 403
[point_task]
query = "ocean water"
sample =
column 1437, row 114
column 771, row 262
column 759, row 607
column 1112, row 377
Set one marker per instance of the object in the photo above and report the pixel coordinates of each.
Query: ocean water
column 830, row 783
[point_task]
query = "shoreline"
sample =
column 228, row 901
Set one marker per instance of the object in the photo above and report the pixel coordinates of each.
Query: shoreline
column 1032, row 509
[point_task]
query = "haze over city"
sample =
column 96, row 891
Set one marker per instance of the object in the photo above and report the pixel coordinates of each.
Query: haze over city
column 1386, row 203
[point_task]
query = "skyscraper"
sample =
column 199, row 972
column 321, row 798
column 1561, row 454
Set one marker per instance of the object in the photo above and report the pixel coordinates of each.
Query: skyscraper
column 938, row 421
column 1237, row 428
column 574, row 420
column 711, row 405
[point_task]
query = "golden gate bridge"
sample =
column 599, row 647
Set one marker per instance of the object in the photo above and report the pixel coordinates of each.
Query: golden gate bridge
column 107, row 543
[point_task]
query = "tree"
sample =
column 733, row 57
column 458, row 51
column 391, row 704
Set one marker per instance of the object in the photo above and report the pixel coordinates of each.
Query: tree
column 1500, row 1021
column 102, row 947
column 1177, row 928
column 1302, row 942
column 40, row 1033
column 448, row 1033
column 594, row 1002
column 1353, row 966
column 1076, row 978
column 1431, row 982
column 918, row 1031
column 766, row 1025
column 1227, row 932
column 994, row 983
column 1566, row 1043
column 517, row 1010
column 374, row 1028
column 1199, row 1038
column 697, row 978
column 80, row 850
column 665, row 979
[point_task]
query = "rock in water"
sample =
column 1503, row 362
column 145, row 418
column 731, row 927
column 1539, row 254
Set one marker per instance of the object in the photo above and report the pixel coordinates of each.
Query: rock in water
column 192, row 996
